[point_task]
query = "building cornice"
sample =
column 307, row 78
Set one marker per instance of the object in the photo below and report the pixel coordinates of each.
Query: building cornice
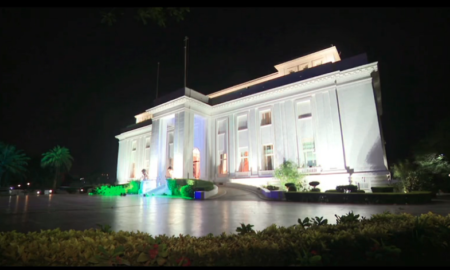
column 361, row 70
column 134, row 132
column 341, row 76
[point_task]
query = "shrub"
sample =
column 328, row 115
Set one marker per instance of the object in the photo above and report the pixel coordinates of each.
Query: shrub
column 110, row 190
column 314, row 184
column 315, row 190
column 133, row 187
column 333, row 191
column 360, row 198
column 187, row 191
column 382, row 189
column 288, row 173
column 201, row 184
column 174, row 185
column 272, row 188
column 382, row 240
column 351, row 188
column 290, row 187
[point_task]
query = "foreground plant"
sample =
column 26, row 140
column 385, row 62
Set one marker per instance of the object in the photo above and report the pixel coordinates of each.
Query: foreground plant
column 381, row 240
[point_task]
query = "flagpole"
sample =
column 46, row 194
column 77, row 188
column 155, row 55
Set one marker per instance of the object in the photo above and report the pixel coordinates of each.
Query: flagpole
column 185, row 61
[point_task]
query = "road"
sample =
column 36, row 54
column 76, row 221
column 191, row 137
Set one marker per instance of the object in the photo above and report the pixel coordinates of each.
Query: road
column 156, row 215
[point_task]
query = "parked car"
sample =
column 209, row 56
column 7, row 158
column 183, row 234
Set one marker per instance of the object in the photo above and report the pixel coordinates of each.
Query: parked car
column 86, row 189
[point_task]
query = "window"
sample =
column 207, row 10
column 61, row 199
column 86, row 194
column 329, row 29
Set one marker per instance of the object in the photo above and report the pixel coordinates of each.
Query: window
column 133, row 168
column 308, row 152
column 243, row 164
column 242, row 122
column 306, row 143
column 223, row 164
column 147, row 142
column 170, row 149
column 267, row 158
column 266, row 118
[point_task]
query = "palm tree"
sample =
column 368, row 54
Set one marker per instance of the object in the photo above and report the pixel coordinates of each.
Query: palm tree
column 58, row 159
column 12, row 161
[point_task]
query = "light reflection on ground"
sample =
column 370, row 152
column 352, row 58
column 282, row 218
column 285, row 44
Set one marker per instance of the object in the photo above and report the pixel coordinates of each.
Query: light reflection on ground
column 159, row 215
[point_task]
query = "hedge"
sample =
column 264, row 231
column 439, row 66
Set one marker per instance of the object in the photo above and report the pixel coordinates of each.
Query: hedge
column 331, row 196
column 382, row 240
column 178, row 187
column 382, row 189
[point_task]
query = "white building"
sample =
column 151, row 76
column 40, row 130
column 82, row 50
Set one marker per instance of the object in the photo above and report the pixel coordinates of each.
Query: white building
column 317, row 110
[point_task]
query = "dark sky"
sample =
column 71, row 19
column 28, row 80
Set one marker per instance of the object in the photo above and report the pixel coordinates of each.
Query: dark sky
column 67, row 79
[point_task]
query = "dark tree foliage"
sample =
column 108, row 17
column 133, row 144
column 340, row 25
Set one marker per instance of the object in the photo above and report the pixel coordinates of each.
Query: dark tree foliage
column 159, row 15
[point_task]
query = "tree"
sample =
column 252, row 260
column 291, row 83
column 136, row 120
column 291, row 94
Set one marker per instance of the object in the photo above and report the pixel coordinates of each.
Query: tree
column 288, row 173
column 12, row 162
column 160, row 15
column 58, row 159
column 428, row 172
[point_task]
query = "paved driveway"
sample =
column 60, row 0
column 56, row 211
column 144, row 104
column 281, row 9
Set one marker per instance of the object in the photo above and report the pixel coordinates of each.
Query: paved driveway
column 174, row 216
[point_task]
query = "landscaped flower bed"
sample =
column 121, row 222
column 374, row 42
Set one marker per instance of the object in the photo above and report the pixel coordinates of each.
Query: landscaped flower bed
column 186, row 187
column 384, row 239
column 356, row 197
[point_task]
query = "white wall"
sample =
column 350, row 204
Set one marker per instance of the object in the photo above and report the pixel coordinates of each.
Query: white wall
column 362, row 140
column 124, row 159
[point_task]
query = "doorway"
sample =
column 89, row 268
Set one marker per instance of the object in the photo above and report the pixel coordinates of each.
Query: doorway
column 196, row 161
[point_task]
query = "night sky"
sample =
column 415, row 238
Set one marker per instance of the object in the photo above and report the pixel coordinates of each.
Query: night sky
column 67, row 79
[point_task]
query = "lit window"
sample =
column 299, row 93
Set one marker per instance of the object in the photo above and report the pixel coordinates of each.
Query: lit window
column 267, row 158
column 223, row 164
column 266, row 118
column 305, row 135
column 170, row 149
column 133, row 168
column 243, row 164
column 309, row 153
column 222, row 146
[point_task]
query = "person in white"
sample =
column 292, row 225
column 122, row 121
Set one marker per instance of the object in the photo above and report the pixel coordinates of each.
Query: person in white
column 144, row 175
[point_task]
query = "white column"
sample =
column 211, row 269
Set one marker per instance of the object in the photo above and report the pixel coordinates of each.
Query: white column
column 232, row 147
column 154, row 146
column 188, row 144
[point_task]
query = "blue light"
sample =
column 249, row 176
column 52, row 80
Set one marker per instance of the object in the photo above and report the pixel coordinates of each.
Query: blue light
column 198, row 195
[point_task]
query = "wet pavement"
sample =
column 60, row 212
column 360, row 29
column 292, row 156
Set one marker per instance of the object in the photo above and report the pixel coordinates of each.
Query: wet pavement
column 155, row 215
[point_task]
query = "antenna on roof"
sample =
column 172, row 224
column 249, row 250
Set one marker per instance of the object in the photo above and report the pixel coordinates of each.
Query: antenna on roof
column 185, row 60
column 157, row 80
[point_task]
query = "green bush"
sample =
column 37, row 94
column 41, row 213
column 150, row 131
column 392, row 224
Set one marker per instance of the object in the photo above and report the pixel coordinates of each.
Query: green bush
column 133, row 187
column 110, row 190
column 333, row 191
column 201, row 184
column 382, row 240
column 187, row 191
column 288, row 173
column 382, row 189
column 174, row 185
column 315, row 190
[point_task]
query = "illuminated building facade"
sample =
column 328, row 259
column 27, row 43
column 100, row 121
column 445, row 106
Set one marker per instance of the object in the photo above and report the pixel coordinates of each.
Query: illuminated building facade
column 319, row 111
